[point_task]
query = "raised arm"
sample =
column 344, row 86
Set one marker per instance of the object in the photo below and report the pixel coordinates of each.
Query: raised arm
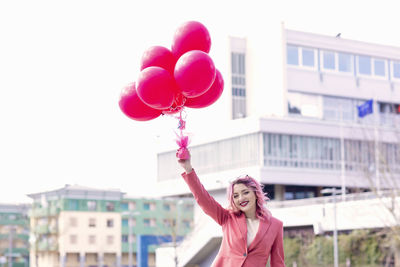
column 207, row 203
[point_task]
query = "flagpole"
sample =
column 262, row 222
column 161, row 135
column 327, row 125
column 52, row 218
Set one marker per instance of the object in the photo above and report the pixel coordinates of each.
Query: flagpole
column 376, row 137
column 342, row 162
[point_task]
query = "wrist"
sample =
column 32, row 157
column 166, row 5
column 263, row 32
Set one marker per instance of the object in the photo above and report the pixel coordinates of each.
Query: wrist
column 188, row 170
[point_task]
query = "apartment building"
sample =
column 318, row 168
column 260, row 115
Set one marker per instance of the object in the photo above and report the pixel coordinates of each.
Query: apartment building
column 80, row 226
column 14, row 235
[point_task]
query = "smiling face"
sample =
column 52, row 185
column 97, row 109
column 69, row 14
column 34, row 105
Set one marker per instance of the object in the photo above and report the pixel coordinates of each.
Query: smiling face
column 245, row 199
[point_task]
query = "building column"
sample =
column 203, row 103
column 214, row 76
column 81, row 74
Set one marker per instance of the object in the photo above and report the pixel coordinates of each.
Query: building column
column 279, row 191
column 118, row 260
column 101, row 259
column 63, row 258
column 82, row 259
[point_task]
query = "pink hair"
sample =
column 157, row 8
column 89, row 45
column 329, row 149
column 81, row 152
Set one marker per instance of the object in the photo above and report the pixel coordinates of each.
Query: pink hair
column 261, row 211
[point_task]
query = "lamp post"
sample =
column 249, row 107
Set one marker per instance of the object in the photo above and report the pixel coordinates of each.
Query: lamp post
column 179, row 205
column 130, row 239
column 335, row 238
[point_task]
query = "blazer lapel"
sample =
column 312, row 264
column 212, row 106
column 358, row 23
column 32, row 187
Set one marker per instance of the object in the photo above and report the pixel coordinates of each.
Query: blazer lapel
column 262, row 230
column 241, row 224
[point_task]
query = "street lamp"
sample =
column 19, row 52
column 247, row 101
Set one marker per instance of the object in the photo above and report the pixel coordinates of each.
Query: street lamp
column 179, row 204
column 335, row 241
column 130, row 239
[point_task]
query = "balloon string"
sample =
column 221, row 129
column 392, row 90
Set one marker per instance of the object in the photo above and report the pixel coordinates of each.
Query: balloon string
column 182, row 122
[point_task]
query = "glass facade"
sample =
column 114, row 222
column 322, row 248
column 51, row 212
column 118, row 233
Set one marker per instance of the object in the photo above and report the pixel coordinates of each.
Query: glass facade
column 238, row 85
column 301, row 151
column 237, row 152
column 288, row 151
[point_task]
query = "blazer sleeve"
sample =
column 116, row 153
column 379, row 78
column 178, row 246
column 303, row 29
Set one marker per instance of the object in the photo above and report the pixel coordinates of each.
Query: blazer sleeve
column 277, row 253
column 207, row 203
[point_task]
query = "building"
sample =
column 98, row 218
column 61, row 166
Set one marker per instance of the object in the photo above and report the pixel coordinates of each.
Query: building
column 80, row 226
column 289, row 117
column 14, row 234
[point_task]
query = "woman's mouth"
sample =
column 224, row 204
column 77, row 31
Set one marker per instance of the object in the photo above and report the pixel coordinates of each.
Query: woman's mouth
column 244, row 203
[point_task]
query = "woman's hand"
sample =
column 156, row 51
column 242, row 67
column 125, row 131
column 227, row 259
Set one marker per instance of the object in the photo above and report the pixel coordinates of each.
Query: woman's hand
column 186, row 165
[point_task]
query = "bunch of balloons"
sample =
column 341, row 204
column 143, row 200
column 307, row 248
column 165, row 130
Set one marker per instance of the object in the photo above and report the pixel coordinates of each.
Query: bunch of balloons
column 170, row 80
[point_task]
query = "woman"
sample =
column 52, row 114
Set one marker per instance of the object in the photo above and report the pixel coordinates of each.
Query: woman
column 250, row 234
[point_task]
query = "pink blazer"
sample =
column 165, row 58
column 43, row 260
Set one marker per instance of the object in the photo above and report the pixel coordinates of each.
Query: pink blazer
column 234, row 251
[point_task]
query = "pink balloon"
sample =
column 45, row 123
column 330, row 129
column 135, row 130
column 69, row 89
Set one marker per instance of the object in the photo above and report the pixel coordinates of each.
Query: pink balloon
column 210, row 96
column 158, row 56
column 156, row 87
column 191, row 35
column 131, row 105
column 194, row 73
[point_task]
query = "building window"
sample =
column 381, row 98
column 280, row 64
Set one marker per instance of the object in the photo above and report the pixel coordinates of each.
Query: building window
column 301, row 151
column 73, row 204
column 292, row 55
column 167, row 207
column 92, row 205
column 149, row 222
column 72, row 239
column 92, row 222
column 188, row 207
column 149, row 206
column 169, row 223
column 364, row 65
column 73, row 222
column 337, row 108
column 186, row 223
column 299, row 192
column 306, row 105
column 110, row 240
column 396, row 70
column 125, row 239
column 92, row 239
column 238, row 85
column 110, row 223
column 328, row 59
column 132, row 205
column 379, row 67
column 125, row 222
column 124, row 206
column 389, row 114
column 303, row 56
column 345, row 62
column 110, row 206
column 308, row 57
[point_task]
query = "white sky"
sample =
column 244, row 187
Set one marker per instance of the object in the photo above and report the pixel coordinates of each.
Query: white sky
column 63, row 64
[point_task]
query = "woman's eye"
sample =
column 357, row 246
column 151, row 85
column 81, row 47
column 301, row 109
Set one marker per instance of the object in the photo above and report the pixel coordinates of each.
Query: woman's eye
column 246, row 192
column 235, row 196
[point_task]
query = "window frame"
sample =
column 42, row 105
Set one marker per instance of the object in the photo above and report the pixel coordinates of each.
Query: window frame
column 392, row 62
column 351, row 72
column 335, row 56
column 384, row 77
column 300, row 64
column 371, row 75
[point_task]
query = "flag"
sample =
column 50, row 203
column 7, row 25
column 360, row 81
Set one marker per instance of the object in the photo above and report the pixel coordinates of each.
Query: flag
column 365, row 108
